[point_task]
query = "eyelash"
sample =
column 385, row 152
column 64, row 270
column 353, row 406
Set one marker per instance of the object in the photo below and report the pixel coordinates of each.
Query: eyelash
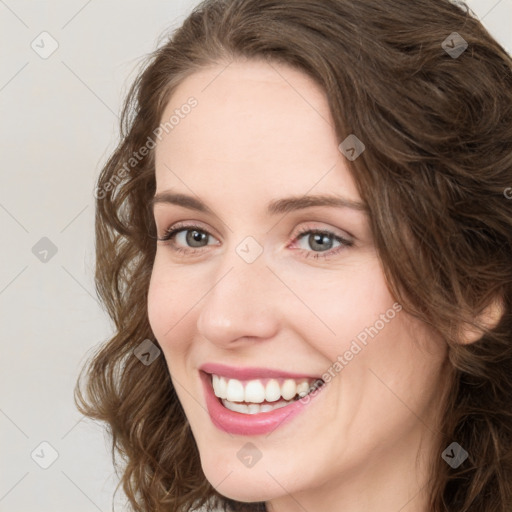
column 170, row 234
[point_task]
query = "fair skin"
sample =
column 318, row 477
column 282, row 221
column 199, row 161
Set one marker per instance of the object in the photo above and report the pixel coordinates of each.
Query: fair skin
column 261, row 133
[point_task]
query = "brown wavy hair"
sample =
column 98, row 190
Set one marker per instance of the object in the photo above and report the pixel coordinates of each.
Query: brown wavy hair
column 438, row 158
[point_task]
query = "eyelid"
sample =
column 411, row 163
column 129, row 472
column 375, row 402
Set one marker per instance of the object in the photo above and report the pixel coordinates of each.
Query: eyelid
column 186, row 225
column 344, row 235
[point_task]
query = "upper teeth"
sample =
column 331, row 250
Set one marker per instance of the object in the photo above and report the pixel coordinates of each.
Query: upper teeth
column 259, row 390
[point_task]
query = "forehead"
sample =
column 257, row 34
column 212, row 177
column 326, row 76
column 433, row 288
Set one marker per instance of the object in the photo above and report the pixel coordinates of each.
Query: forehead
column 256, row 128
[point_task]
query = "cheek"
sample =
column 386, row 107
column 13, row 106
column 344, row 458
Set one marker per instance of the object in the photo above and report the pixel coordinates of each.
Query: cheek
column 338, row 306
column 169, row 301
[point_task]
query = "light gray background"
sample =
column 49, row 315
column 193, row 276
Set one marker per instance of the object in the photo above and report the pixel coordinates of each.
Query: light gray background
column 58, row 125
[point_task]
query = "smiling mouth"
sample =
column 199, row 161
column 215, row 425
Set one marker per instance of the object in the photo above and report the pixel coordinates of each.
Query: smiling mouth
column 261, row 395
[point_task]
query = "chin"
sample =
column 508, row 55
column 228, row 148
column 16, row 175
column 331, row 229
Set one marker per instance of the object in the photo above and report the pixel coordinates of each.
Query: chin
column 247, row 485
column 243, row 489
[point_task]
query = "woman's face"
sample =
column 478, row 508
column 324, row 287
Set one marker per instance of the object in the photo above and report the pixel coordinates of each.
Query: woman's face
column 269, row 287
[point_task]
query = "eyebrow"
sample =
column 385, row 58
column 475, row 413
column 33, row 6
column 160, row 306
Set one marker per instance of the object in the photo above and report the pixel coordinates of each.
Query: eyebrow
column 275, row 207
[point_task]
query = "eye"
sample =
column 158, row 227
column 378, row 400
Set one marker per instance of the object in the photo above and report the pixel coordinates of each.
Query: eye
column 186, row 238
column 320, row 243
column 189, row 239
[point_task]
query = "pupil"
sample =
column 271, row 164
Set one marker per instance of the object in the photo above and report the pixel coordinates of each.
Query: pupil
column 322, row 241
column 195, row 237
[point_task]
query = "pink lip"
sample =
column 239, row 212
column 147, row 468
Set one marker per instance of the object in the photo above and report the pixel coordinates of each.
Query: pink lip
column 251, row 373
column 250, row 424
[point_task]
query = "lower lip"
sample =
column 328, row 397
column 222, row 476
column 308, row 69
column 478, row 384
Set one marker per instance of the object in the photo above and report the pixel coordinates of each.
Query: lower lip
column 250, row 424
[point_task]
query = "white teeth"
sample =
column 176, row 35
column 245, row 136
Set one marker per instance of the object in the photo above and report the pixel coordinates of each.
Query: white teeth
column 222, row 388
column 233, row 406
column 272, row 391
column 289, row 389
column 254, row 408
column 256, row 392
column 235, row 391
column 303, row 388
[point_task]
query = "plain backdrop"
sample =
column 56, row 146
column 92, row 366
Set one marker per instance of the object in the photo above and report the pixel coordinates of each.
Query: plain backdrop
column 59, row 119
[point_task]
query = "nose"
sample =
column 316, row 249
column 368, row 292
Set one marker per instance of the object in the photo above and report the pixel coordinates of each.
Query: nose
column 242, row 303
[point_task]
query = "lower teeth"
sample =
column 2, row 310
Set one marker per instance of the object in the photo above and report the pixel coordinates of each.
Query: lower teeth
column 254, row 408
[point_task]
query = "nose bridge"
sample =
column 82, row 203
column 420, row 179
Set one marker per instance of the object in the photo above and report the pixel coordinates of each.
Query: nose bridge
column 240, row 302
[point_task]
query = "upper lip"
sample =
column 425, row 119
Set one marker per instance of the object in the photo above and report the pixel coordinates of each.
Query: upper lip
column 248, row 373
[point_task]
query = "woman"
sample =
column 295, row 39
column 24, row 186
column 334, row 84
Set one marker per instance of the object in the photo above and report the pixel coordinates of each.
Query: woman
column 304, row 243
